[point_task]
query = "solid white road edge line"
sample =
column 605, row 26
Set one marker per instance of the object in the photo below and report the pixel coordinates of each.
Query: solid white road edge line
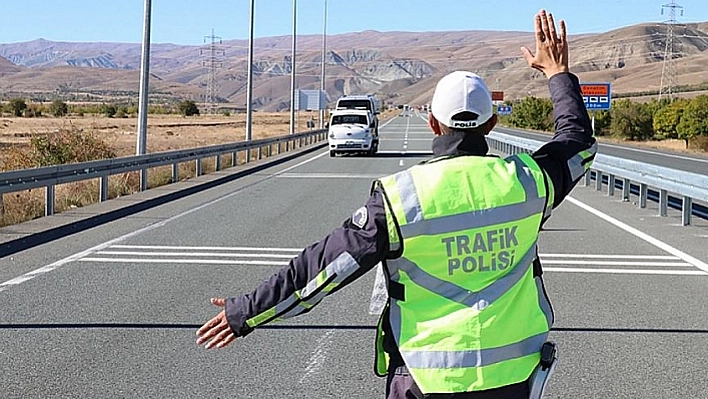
column 646, row 237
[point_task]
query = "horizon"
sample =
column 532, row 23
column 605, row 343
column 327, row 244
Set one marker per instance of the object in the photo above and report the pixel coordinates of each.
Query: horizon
column 318, row 35
column 85, row 21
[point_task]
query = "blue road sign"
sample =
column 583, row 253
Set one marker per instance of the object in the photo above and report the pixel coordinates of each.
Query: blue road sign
column 504, row 110
column 597, row 96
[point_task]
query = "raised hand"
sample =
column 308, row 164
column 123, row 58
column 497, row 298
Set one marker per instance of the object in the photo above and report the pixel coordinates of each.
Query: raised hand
column 551, row 50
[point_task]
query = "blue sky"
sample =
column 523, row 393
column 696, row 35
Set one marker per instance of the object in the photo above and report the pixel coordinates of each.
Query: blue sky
column 188, row 22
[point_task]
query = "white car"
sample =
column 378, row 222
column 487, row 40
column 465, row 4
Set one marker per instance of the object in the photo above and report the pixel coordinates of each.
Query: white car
column 352, row 130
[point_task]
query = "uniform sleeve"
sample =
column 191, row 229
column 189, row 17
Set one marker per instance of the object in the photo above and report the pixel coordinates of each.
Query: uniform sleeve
column 571, row 151
column 319, row 270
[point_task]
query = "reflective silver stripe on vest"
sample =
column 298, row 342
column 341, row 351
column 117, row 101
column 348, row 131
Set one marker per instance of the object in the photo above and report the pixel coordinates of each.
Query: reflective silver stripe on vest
column 549, row 210
column 476, row 300
column 575, row 164
column 525, row 177
column 474, row 219
column 409, row 197
column 343, row 266
column 543, row 302
column 529, row 183
column 474, row 358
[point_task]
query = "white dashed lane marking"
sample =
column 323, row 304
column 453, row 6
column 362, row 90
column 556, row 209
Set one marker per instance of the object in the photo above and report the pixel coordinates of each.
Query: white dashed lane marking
column 262, row 256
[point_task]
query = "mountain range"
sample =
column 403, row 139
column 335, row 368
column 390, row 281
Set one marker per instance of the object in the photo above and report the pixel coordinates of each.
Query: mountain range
column 399, row 67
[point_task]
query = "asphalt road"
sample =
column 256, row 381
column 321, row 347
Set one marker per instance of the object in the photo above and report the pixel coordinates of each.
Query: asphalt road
column 112, row 312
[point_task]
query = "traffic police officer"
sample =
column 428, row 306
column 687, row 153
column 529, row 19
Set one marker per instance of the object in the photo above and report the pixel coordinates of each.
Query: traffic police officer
column 467, row 315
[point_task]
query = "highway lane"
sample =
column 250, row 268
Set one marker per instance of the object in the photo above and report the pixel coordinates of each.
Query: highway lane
column 669, row 159
column 116, row 315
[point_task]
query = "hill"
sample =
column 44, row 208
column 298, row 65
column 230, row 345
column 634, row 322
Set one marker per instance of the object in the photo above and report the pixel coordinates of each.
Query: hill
column 7, row 67
column 400, row 67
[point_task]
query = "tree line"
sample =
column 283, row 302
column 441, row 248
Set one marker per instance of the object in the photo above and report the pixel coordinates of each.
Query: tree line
column 683, row 119
column 19, row 107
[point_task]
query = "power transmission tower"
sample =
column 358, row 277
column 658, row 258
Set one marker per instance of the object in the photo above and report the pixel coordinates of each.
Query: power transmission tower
column 213, row 61
column 668, row 71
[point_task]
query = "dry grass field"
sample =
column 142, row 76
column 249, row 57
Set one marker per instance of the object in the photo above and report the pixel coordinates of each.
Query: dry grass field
column 165, row 132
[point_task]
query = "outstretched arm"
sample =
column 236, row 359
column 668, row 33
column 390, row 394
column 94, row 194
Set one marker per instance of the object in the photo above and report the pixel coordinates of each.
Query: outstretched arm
column 320, row 270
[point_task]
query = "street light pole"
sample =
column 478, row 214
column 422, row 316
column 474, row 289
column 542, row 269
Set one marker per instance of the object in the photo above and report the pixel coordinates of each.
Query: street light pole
column 292, row 72
column 141, row 145
column 324, row 55
column 249, row 90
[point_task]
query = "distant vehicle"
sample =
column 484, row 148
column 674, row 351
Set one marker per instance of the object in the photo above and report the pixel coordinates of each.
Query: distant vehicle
column 366, row 102
column 352, row 130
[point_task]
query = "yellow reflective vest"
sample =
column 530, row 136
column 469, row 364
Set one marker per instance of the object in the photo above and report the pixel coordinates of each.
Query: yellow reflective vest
column 471, row 316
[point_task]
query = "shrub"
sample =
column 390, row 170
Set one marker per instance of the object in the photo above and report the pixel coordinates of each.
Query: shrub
column 109, row 110
column 667, row 118
column 34, row 110
column 122, row 112
column 58, row 108
column 694, row 120
column 65, row 145
column 603, row 121
column 533, row 113
column 188, row 108
column 17, row 106
column 700, row 143
column 632, row 121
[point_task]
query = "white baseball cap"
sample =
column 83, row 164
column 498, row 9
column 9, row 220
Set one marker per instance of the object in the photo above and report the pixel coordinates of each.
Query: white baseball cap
column 461, row 91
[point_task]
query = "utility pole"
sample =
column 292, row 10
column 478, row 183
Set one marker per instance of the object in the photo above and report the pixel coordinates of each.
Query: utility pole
column 292, row 72
column 324, row 60
column 249, row 85
column 213, row 61
column 141, row 145
column 668, row 71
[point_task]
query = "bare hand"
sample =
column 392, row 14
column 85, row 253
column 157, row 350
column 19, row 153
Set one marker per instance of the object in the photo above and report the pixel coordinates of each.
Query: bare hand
column 551, row 51
column 216, row 331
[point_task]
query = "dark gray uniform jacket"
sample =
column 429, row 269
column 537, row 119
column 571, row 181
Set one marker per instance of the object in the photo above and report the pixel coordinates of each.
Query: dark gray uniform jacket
column 369, row 245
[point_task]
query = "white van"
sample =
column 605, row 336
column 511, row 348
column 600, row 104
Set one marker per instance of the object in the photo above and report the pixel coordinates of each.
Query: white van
column 365, row 102
column 352, row 131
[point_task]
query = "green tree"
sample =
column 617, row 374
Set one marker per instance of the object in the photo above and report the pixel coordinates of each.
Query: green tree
column 188, row 108
column 603, row 120
column 109, row 110
column 17, row 106
column 668, row 117
column 631, row 120
column 533, row 113
column 694, row 120
column 58, row 108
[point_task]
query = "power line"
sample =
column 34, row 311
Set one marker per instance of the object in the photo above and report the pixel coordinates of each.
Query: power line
column 213, row 61
column 668, row 73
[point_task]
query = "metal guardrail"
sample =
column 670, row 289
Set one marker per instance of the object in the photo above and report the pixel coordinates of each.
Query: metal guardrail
column 623, row 173
column 49, row 177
